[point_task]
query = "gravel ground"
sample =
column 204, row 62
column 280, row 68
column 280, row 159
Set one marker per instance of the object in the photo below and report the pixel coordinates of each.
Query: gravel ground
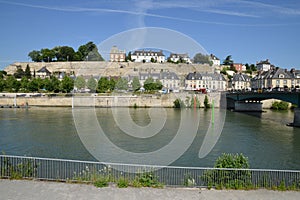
column 21, row 189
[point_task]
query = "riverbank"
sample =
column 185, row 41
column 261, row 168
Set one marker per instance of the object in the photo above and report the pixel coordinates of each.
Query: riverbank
column 107, row 100
column 10, row 100
column 22, row 189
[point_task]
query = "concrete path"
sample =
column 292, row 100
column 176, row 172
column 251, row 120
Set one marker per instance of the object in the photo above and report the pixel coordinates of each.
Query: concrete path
column 31, row 190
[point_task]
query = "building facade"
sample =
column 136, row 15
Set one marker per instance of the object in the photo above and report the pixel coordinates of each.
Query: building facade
column 176, row 57
column 117, row 55
column 209, row 81
column 169, row 80
column 240, row 82
column 216, row 61
column 277, row 78
column 263, row 65
column 148, row 56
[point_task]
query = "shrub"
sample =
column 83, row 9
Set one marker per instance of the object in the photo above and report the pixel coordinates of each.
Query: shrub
column 178, row 103
column 280, row 105
column 122, row 183
column 101, row 181
column 230, row 179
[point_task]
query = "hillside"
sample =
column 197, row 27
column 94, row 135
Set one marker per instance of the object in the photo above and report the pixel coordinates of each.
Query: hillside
column 109, row 68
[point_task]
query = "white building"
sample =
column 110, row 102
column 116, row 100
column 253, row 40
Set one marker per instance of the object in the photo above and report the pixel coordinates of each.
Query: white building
column 176, row 57
column 169, row 80
column 148, row 56
column 208, row 81
column 264, row 65
column 216, row 61
column 240, row 82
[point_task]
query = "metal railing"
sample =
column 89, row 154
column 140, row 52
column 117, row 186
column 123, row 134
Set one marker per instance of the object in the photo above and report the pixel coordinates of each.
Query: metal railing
column 85, row 171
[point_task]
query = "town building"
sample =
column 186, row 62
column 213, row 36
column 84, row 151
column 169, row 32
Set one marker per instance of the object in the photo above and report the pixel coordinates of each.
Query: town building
column 239, row 67
column 277, row 79
column 216, row 61
column 240, row 82
column 207, row 81
column 148, row 56
column 176, row 57
column 43, row 73
column 169, row 80
column 263, row 65
column 117, row 55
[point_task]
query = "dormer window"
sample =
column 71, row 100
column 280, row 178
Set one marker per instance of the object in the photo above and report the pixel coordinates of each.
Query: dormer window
column 281, row 76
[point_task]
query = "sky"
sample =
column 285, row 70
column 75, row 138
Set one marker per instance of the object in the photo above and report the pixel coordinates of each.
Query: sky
column 250, row 31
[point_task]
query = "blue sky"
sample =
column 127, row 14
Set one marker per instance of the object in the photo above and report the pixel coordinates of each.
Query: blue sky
column 250, row 31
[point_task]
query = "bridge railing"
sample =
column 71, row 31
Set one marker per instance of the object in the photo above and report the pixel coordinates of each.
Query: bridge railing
column 19, row 167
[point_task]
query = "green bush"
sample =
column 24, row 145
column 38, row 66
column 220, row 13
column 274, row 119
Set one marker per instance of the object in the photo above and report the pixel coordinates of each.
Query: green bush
column 178, row 103
column 280, row 105
column 122, row 183
column 101, row 181
column 230, row 179
column 148, row 179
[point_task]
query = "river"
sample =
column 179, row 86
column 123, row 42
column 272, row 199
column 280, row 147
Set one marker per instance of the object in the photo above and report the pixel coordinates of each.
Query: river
column 52, row 132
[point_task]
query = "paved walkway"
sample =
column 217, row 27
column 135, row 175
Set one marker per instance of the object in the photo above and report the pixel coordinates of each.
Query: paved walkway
column 31, row 190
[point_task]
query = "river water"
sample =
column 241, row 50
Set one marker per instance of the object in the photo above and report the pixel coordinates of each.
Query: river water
column 52, row 132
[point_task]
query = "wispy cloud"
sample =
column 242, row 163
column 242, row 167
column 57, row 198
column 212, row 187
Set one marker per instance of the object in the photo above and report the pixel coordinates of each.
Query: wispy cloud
column 142, row 8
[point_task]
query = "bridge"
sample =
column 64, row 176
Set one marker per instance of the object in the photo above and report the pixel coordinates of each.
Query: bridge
column 251, row 101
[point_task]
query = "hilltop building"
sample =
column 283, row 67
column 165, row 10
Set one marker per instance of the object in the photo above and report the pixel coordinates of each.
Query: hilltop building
column 263, row 65
column 117, row 55
column 208, row 81
column 239, row 67
column 148, row 56
column 216, row 61
column 176, row 57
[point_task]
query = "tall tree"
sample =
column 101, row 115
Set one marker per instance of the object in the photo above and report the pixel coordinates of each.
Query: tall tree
column 228, row 60
column 35, row 56
column 122, row 84
column 47, row 55
column 79, row 82
column 89, row 52
column 67, row 84
column 103, row 85
column 27, row 72
column 92, row 84
column 136, row 85
column 202, row 59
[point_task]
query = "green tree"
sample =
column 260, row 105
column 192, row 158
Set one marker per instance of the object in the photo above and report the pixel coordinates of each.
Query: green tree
column 103, row 85
column 64, row 53
column 202, row 59
column 90, row 52
column 54, row 84
column 47, row 55
column 27, row 72
column 19, row 73
column 206, row 103
column 92, row 84
column 35, row 56
column 136, row 85
column 228, row 60
column 11, row 84
column 24, row 84
column 2, row 84
column 149, row 84
column 33, row 85
column 2, row 73
column 128, row 57
column 122, row 84
column 67, row 84
column 112, row 84
column 79, row 82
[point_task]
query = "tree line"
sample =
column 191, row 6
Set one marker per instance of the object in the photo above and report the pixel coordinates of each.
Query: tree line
column 87, row 52
column 25, row 81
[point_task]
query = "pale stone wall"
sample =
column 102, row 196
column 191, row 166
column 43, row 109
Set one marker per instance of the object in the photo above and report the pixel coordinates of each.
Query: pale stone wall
column 165, row 100
column 110, row 68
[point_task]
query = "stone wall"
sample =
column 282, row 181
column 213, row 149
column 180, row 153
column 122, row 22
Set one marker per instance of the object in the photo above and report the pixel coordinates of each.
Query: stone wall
column 164, row 100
